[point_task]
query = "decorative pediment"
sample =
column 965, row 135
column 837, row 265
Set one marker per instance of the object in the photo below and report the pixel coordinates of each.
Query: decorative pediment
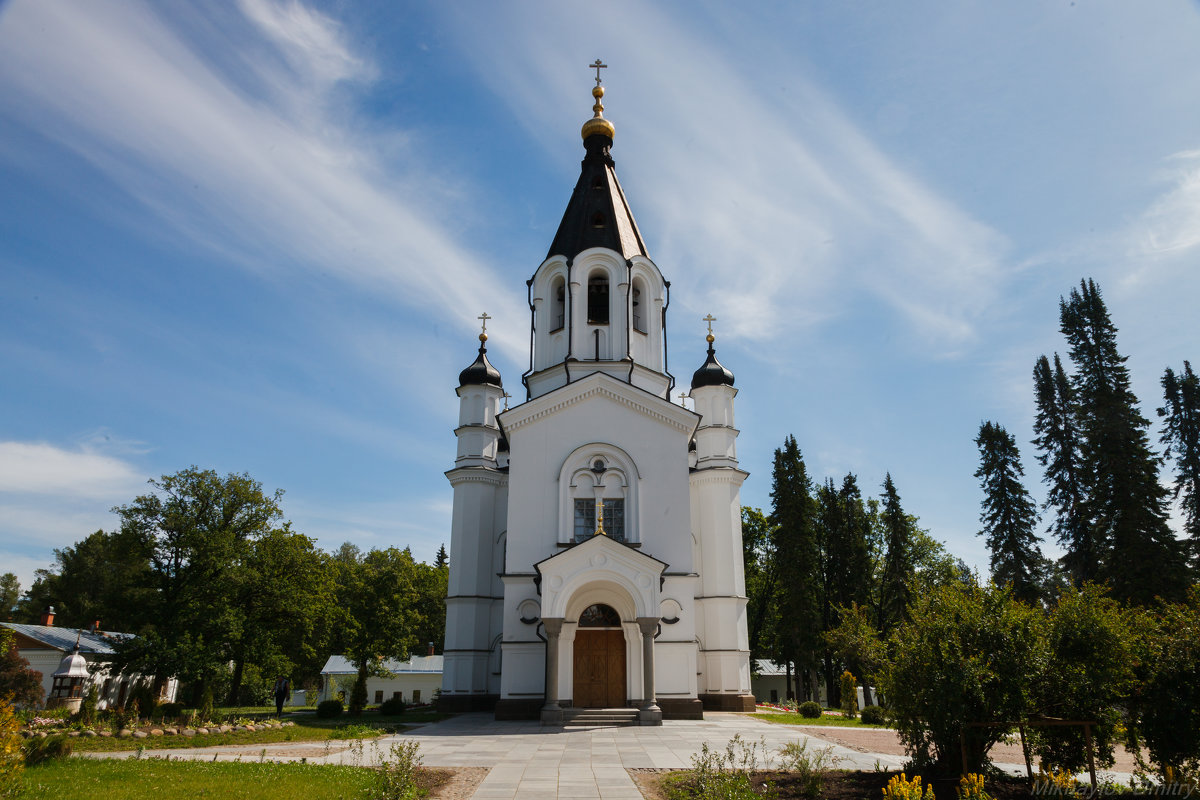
column 600, row 385
column 601, row 562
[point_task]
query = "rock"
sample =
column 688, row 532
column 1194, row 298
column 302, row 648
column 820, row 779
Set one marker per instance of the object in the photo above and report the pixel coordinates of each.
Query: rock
column 157, row 732
column 141, row 735
column 73, row 734
column 225, row 728
column 169, row 731
column 250, row 728
column 106, row 734
column 124, row 733
column 88, row 734
column 201, row 730
column 188, row 732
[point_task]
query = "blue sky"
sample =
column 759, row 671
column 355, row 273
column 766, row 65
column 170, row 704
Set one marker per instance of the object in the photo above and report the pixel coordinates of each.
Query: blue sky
column 254, row 236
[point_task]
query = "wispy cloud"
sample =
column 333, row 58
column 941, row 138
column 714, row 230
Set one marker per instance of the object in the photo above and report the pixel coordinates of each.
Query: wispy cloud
column 773, row 203
column 41, row 468
column 273, row 175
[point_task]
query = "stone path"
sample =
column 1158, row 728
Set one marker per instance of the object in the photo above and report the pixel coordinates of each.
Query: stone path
column 529, row 762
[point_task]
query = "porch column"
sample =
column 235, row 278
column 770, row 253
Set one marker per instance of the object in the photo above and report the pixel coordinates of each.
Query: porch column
column 650, row 713
column 552, row 713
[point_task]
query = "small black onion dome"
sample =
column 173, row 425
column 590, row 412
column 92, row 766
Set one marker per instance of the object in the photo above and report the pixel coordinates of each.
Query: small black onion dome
column 481, row 372
column 712, row 373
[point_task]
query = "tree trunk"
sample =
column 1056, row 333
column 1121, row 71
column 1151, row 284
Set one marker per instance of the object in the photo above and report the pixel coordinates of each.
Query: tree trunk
column 787, row 681
column 833, row 691
column 235, row 684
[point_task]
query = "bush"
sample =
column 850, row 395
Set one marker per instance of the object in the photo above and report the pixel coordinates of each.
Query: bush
column 398, row 776
column 970, row 787
column 170, row 710
column 328, row 709
column 849, row 690
column 87, row 709
column 873, row 715
column 728, row 776
column 393, row 707
column 12, row 758
column 38, row 749
column 810, row 709
column 901, row 788
column 809, row 766
column 967, row 654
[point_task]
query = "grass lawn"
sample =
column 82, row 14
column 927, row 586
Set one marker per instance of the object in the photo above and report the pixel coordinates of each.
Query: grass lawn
column 308, row 728
column 786, row 718
column 166, row 780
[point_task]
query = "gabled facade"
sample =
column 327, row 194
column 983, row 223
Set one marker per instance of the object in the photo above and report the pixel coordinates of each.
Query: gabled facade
column 596, row 554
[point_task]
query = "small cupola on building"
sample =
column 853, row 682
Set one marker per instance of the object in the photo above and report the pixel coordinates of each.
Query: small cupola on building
column 70, row 682
column 711, row 372
column 480, row 391
column 481, row 372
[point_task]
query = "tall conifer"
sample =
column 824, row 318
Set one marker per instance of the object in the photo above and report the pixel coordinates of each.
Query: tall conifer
column 1009, row 515
column 1126, row 505
column 1058, row 440
column 797, row 559
column 1181, row 437
column 895, row 593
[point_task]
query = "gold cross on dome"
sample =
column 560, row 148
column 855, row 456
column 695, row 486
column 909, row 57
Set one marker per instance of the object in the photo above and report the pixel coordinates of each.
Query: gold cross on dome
column 597, row 66
column 506, row 398
column 484, row 316
column 710, row 319
column 682, row 398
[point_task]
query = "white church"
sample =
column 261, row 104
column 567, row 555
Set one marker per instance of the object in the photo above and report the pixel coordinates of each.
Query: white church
column 596, row 548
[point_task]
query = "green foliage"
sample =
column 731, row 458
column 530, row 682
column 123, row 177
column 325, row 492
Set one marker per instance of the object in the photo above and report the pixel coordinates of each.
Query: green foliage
column 1125, row 503
column 873, row 715
column 1090, row 656
column 901, row 788
column 809, row 766
column 355, row 732
column 796, row 550
column 895, row 590
column 20, row 684
column 856, row 642
column 398, row 774
column 87, row 708
column 1181, row 437
column 722, row 776
column 1009, row 515
column 968, row 654
column 1167, row 708
column 170, row 710
column 12, row 757
column 38, row 749
column 327, row 709
column 849, row 690
column 810, row 709
column 761, row 570
column 10, row 593
column 1059, row 441
column 393, row 707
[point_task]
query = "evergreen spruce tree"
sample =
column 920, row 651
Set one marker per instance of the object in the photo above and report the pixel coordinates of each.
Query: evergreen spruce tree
column 441, row 560
column 1126, row 505
column 1181, row 437
column 1009, row 515
column 1058, row 440
column 797, row 560
column 843, row 529
column 895, row 591
column 758, row 558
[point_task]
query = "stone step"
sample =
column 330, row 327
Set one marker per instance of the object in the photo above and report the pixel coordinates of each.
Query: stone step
column 593, row 717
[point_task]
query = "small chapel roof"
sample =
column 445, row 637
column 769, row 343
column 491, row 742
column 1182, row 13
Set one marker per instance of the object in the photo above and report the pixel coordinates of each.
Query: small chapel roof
column 597, row 214
column 65, row 638
column 340, row 665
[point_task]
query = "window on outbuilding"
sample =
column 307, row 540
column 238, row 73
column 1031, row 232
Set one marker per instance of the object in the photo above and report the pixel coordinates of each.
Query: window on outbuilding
column 597, row 300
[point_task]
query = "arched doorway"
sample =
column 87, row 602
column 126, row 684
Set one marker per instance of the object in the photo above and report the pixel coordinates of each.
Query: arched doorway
column 599, row 659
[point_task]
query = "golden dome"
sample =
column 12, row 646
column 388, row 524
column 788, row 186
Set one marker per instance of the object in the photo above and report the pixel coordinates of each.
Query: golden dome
column 598, row 124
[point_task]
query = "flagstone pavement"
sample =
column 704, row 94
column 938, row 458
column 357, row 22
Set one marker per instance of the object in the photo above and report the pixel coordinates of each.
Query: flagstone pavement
column 531, row 762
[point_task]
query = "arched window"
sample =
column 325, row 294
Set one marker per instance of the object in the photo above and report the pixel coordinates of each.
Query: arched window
column 599, row 616
column 558, row 304
column 639, row 307
column 597, row 300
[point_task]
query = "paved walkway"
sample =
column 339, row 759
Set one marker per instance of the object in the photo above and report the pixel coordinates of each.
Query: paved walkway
column 529, row 762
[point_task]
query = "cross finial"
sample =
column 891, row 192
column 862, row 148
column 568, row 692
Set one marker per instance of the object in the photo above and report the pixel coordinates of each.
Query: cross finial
column 506, row 397
column 682, row 398
column 597, row 66
column 484, row 316
column 600, row 520
column 710, row 319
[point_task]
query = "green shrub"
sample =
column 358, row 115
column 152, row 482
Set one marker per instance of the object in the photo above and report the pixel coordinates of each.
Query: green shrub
column 810, row 709
column 901, row 788
column 722, row 776
column 873, row 715
column 354, row 731
column 809, row 766
column 170, row 710
column 87, row 709
column 38, row 749
column 393, row 707
column 849, row 691
column 398, row 775
column 12, row 759
column 328, row 709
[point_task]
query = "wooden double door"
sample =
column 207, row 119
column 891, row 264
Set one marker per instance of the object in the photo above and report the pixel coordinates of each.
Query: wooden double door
column 599, row 669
